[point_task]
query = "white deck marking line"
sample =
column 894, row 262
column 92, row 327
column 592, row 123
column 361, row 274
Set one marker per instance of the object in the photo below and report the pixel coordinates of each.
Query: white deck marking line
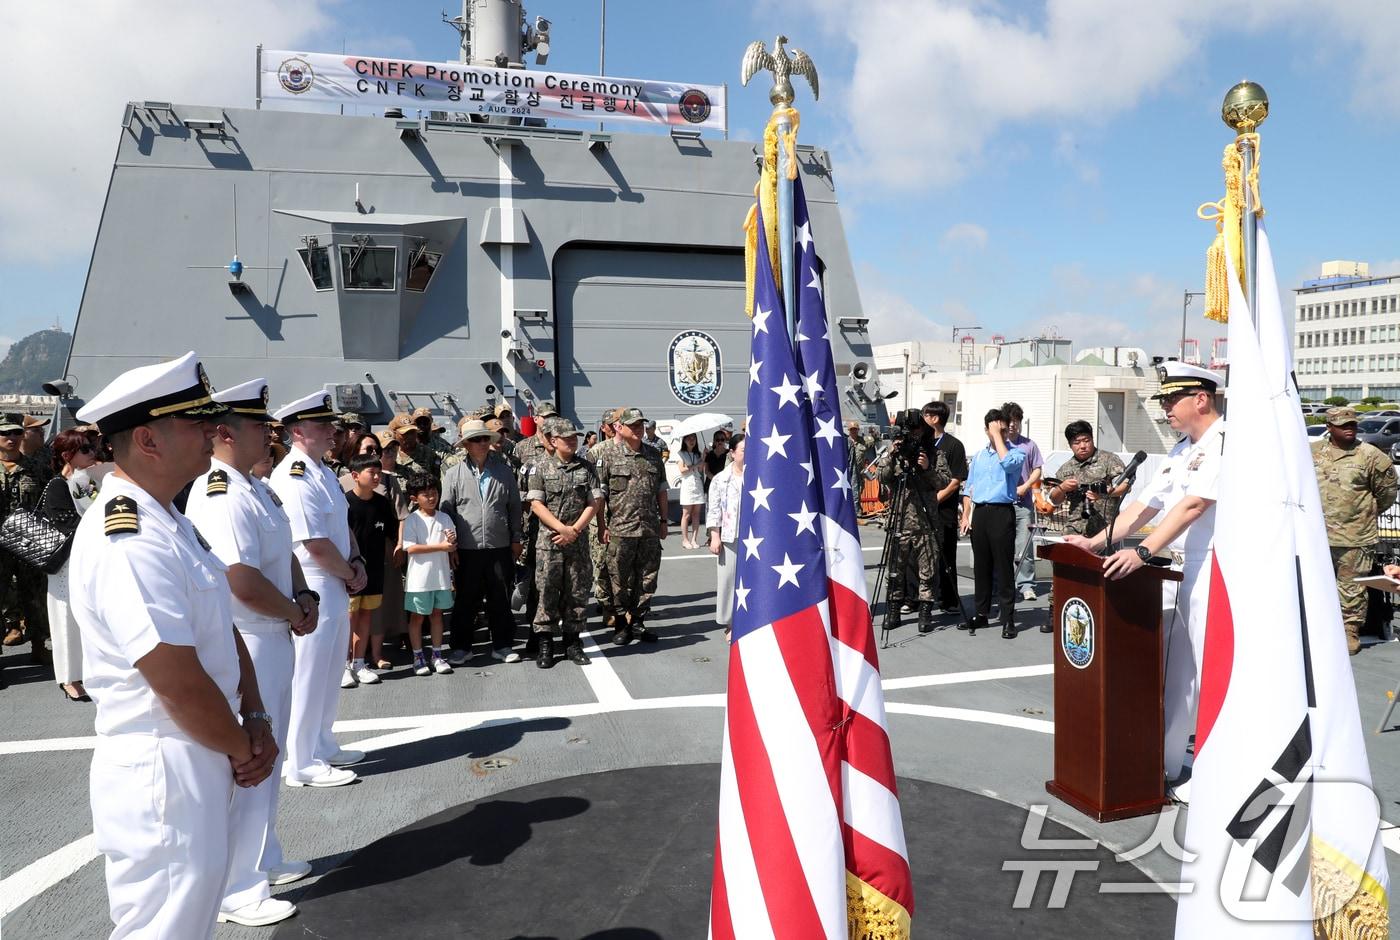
column 977, row 675
column 971, row 714
column 602, row 677
column 39, row 876
column 49, row 745
column 1390, row 838
column 706, row 556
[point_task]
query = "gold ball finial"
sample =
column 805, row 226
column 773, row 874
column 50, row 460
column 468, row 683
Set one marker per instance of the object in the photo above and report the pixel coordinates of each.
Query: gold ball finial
column 1245, row 108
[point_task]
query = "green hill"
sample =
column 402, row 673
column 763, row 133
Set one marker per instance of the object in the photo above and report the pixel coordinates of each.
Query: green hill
column 34, row 360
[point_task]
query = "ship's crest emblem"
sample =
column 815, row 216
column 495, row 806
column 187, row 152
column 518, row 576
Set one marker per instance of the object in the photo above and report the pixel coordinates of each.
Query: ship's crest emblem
column 694, row 363
column 1077, row 633
column 296, row 75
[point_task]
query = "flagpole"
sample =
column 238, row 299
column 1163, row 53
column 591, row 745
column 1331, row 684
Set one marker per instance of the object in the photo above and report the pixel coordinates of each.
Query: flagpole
column 1245, row 108
column 786, row 228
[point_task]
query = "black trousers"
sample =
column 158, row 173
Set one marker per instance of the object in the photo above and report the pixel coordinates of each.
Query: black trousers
column 484, row 575
column 993, row 556
column 948, row 559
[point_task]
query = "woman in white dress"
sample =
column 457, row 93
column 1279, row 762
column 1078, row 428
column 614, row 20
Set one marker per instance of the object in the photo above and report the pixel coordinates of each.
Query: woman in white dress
column 66, row 497
column 726, row 493
column 692, row 467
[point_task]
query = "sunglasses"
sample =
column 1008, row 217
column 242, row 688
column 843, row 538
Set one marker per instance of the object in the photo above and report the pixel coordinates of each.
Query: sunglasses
column 17, row 432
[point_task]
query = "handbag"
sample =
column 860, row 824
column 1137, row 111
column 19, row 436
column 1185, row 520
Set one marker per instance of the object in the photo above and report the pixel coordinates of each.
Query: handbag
column 38, row 539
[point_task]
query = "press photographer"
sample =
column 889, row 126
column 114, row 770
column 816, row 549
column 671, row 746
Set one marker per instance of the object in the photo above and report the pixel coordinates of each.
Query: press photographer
column 915, row 471
column 1085, row 481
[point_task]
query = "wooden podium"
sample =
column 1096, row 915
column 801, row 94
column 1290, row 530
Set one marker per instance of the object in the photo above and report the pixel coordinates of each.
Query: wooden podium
column 1108, row 686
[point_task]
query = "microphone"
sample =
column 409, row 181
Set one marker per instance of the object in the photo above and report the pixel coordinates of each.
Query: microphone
column 1130, row 470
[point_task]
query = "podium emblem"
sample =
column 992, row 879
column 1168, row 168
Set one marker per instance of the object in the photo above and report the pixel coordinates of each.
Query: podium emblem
column 1077, row 633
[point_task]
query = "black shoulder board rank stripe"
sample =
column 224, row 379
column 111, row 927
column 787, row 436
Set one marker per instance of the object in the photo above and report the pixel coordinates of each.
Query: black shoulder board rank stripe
column 199, row 537
column 119, row 518
column 218, row 483
column 298, row 469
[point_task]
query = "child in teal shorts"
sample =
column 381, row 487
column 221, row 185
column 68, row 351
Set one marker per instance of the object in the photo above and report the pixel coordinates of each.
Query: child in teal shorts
column 429, row 539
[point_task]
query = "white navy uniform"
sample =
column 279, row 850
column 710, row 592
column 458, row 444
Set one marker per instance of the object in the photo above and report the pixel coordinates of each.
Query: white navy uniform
column 140, row 577
column 316, row 507
column 243, row 522
column 1191, row 469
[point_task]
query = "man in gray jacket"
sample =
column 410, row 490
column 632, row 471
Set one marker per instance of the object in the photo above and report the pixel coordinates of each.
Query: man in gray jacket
column 483, row 499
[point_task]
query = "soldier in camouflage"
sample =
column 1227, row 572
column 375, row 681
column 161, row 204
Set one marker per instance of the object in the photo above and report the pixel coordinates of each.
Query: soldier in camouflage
column 1356, row 483
column 40, row 454
column 1089, row 509
column 633, row 476
column 858, row 454
column 432, row 449
column 22, row 588
column 526, row 453
column 917, row 530
column 602, row 574
column 564, row 495
column 410, row 453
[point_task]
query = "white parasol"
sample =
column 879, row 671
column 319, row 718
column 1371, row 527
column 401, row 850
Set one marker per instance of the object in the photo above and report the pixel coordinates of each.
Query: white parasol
column 702, row 423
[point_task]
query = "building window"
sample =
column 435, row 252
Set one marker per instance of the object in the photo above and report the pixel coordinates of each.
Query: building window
column 1392, row 332
column 317, row 262
column 420, row 270
column 364, row 267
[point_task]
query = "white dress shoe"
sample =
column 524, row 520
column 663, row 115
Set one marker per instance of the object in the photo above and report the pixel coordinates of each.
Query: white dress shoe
column 259, row 913
column 330, row 777
column 288, row 872
column 344, row 758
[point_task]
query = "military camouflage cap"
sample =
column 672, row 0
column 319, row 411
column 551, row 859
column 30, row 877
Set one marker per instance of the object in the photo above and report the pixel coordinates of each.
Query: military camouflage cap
column 545, row 409
column 560, row 427
column 11, row 422
column 631, row 416
column 349, row 419
column 503, row 409
column 610, row 416
column 386, row 438
column 422, row 413
column 1343, row 415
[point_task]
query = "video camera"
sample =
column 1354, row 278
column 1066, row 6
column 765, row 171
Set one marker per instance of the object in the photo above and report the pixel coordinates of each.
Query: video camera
column 910, row 436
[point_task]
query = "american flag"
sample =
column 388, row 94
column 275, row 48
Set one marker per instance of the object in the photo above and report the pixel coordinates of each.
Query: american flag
column 810, row 842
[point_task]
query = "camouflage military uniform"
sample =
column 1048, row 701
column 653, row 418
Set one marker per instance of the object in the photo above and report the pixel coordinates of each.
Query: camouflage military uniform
column 1086, row 518
column 917, row 531
column 563, row 573
column 441, row 451
column 1356, row 485
column 411, row 463
column 602, row 576
column 631, row 482
column 23, row 589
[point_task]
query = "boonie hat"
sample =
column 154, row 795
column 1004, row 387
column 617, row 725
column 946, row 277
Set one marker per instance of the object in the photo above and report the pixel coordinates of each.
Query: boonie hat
column 1344, row 414
column 178, row 388
column 474, row 428
column 313, row 407
column 248, row 400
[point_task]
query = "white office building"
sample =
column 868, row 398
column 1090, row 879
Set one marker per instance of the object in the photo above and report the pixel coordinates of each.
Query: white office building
column 1347, row 334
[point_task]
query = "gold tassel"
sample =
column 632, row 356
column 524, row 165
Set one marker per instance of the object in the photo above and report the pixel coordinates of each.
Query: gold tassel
column 1228, row 216
column 1354, row 902
column 870, row 915
column 766, row 192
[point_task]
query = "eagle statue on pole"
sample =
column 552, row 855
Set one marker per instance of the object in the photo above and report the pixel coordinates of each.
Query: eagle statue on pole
column 757, row 58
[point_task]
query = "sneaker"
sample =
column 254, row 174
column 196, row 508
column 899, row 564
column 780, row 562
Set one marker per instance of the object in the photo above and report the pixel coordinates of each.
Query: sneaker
column 441, row 666
column 348, row 680
column 505, row 656
column 366, row 675
column 420, row 665
column 906, row 608
column 287, row 872
column 1028, row 594
column 259, row 913
column 330, row 777
column 458, row 657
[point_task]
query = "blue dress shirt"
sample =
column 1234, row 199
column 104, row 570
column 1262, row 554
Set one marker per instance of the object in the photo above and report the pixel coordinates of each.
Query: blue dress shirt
column 993, row 479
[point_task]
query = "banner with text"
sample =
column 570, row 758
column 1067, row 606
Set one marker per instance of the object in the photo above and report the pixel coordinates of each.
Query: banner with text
column 492, row 92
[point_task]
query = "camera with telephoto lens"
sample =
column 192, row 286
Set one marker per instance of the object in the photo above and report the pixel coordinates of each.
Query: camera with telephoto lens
column 910, row 432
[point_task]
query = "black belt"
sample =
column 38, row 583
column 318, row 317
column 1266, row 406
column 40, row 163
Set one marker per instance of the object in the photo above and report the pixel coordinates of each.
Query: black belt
column 1005, row 505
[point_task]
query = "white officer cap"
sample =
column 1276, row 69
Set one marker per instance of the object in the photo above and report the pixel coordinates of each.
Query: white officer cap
column 314, row 407
column 178, row 388
column 248, row 400
column 1179, row 376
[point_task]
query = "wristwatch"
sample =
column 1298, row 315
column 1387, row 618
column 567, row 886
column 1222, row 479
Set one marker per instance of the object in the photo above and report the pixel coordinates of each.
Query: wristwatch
column 314, row 596
column 1143, row 554
column 260, row 716
column 359, row 558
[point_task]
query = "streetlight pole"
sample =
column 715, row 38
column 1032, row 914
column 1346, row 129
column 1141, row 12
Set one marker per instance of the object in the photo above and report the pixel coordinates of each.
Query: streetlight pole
column 1186, row 302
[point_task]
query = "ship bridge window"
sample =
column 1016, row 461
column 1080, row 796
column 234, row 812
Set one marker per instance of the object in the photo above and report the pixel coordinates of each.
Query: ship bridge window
column 366, row 267
column 421, row 266
column 318, row 266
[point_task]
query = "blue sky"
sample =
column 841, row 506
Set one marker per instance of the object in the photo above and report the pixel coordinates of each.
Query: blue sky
column 1025, row 167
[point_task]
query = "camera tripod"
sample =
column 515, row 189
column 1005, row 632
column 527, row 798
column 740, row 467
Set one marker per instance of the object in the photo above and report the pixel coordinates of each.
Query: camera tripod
column 899, row 498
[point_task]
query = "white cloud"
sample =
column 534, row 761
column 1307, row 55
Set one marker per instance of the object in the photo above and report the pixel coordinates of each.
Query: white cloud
column 967, row 235
column 73, row 67
column 894, row 318
column 951, row 74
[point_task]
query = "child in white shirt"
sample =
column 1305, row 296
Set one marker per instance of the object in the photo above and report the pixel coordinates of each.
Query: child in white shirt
column 429, row 539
